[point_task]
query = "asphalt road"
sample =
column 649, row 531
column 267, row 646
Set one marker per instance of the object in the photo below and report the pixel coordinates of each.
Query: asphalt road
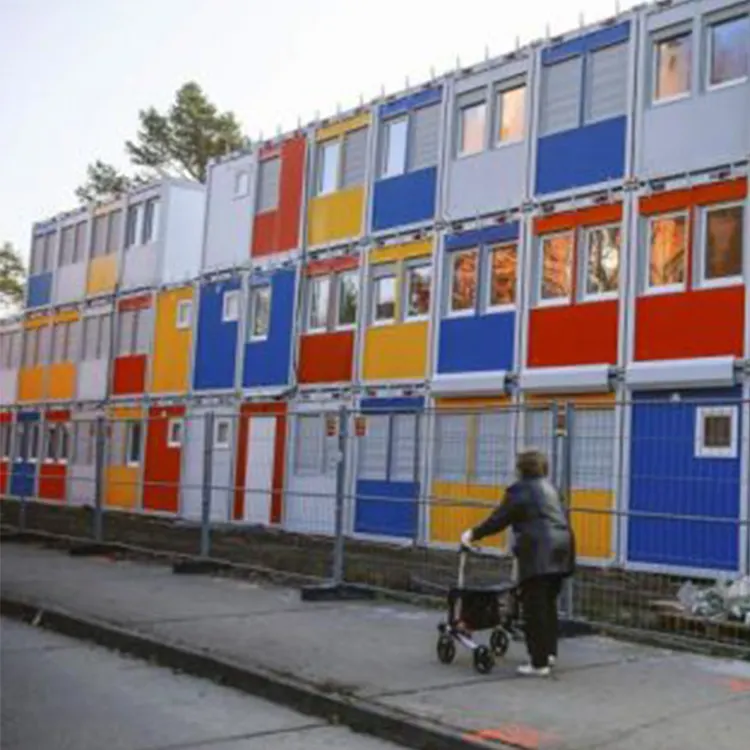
column 61, row 694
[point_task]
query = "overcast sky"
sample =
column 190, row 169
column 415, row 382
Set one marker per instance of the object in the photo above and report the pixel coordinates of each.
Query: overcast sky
column 74, row 73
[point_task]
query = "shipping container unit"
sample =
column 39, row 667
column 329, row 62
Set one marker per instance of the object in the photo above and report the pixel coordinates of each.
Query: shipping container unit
column 407, row 169
column 11, row 353
column 123, row 472
column 97, row 318
column 133, row 345
column 584, row 108
column 54, row 455
column 228, row 224
column 65, row 354
column 106, row 238
column 163, row 235
column 7, row 425
column 72, row 263
column 337, row 180
column 86, row 419
column 693, row 104
column 33, row 379
column 28, row 438
column 687, row 461
column 163, row 457
column 45, row 238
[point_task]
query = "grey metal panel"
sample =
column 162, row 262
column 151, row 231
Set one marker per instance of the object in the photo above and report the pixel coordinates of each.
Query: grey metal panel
column 70, row 283
column 268, row 184
column 425, row 137
column 496, row 74
column 8, row 387
column 355, row 157
column 92, row 380
column 182, row 237
column 140, row 265
column 607, row 82
column 561, row 96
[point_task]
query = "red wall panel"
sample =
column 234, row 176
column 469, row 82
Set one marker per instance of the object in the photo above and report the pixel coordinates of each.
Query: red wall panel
column 582, row 334
column 139, row 302
column 701, row 323
column 161, row 490
column 331, row 265
column 52, row 481
column 129, row 377
column 4, row 474
column 326, row 357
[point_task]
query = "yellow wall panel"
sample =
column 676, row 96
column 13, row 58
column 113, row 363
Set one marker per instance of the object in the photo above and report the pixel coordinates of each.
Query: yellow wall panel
column 37, row 321
column 592, row 516
column 457, row 506
column 473, row 402
column 102, row 275
column 580, row 399
column 126, row 412
column 393, row 253
column 31, row 383
column 172, row 346
column 122, row 487
column 62, row 381
column 395, row 352
column 66, row 316
column 337, row 216
column 343, row 126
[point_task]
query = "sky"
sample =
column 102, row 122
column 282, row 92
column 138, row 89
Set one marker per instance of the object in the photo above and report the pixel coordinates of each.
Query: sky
column 75, row 73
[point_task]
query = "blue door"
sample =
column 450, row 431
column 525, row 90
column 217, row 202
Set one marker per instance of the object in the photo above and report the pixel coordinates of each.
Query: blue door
column 28, row 446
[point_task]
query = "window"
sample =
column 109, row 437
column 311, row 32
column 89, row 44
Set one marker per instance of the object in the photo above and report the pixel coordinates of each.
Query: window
column 63, row 443
column 150, row 221
column 50, row 444
column 348, row 299
column 425, row 138
column 222, row 433
column 667, row 251
column 716, row 432
column 418, row 291
column 310, row 445
column 96, row 329
column 384, row 298
column 12, row 350
column 68, row 245
column 49, row 251
column 606, row 83
column 131, row 225
column 722, row 243
column 355, row 158
column 493, row 454
column 60, row 335
column 260, row 312
column 672, row 66
column 33, row 432
column 143, row 330
column 134, row 335
column 463, row 284
column 184, row 314
column 30, row 344
column 230, row 306
column 317, row 312
column 396, row 134
column 80, row 242
column 502, row 272
column 99, row 237
column 451, row 447
column 126, row 333
column 175, row 429
column 729, row 51
column 134, row 439
column 85, row 443
column 268, row 186
column 388, row 452
column 602, row 266
column 328, row 167
column 472, row 121
column 560, row 105
column 511, row 114
column 241, row 183
column 114, row 231
column 6, row 430
column 557, row 268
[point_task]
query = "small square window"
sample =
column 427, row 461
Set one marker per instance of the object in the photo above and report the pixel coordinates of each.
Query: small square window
column 511, row 114
column 348, row 299
column 463, row 282
column 471, row 128
column 222, row 433
column 395, row 137
column 729, row 51
column 184, row 314
column 673, row 66
column 502, row 269
column 241, row 184
column 319, row 291
column 716, row 432
column 556, row 277
column 667, row 252
column 384, row 299
column 418, row 291
column 260, row 312
column 230, row 309
column 175, row 428
column 602, row 267
column 722, row 244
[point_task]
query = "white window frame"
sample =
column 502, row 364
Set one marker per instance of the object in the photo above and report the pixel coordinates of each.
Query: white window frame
column 500, row 89
column 583, row 276
column 130, row 427
column 700, row 275
column 378, row 277
column 555, row 301
column 33, row 449
column 321, row 146
column 709, row 40
column 184, row 314
column 49, row 449
column 387, row 125
column 659, row 38
column 470, row 311
column 311, row 281
column 230, row 295
column 704, row 451
column 487, row 278
column 648, row 289
column 254, row 292
column 460, row 153
column 218, row 424
column 178, row 424
column 339, row 278
column 241, row 183
column 409, row 268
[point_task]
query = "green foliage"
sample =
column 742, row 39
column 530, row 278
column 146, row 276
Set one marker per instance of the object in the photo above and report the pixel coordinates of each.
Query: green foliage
column 12, row 276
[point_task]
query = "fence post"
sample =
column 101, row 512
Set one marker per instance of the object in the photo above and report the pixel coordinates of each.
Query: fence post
column 566, row 487
column 208, row 441
column 100, row 448
column 338, row 546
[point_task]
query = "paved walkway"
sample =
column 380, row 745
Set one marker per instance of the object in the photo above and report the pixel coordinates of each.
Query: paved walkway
column 605, row 694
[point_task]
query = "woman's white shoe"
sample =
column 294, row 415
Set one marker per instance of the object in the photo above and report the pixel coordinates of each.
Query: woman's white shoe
column 527, row 670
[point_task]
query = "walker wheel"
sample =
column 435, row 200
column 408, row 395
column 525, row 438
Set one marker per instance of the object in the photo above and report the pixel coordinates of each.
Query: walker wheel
column 483, row 660
column 499, row 642
column 446, row 649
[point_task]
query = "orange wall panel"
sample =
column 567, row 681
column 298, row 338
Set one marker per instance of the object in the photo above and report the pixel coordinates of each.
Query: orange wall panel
column 585, row 217
column 62, row 381
column 129, row 376
column 326, row 357
column 161, row 491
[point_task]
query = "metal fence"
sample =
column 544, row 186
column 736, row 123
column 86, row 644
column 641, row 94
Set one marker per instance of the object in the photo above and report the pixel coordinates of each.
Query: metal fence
column 657, row 492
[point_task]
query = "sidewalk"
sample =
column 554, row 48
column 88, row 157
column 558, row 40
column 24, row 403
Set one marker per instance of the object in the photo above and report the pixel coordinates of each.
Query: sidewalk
column 605, row 693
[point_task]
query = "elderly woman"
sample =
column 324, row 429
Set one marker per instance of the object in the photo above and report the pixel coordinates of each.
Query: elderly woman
column 545, row 549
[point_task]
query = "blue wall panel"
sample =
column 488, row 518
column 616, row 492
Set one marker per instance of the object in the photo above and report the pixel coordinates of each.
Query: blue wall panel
column 216, row 346
column 387, row 508
column 667, row 478
column 404, row 200
column 477, row 343
column 23, row 473
column 39, row 290
column 266, row 362
column 587, row 43
column 412, row 101
column 585, row 156
column 485, row 236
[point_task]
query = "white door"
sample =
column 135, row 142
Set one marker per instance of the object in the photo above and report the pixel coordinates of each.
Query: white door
column 261, row 441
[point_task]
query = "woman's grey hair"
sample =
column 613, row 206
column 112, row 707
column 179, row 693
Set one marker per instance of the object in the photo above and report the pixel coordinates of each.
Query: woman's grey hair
column 531, row 463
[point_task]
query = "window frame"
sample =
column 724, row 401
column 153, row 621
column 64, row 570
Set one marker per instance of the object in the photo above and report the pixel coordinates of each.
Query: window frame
column 385, row 151
column 321, row 449
column 254, row 294
column 33, row 440
column 230, row 294
column 222, row 444
column 499, row 89
column 382, row 272
column 469, row 311
column 660, row 37
column 701, row 450
column 311, row 282
column 321, row 147
column 151, row 222
column 700, row 271
column 131, row 426
column 540, row 300
column 584, row 295
column 339, row 277
column 460, row 130
column 63, row 439
column 241, row 184
column 172, row 423
column 709, row 46
column 489, row 251
column 409, row 267
column 646, row 286
column 135, row 211
column 184, row 320
column 6, row 440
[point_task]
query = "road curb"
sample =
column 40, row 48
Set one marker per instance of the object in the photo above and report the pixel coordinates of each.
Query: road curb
column 359, row 715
